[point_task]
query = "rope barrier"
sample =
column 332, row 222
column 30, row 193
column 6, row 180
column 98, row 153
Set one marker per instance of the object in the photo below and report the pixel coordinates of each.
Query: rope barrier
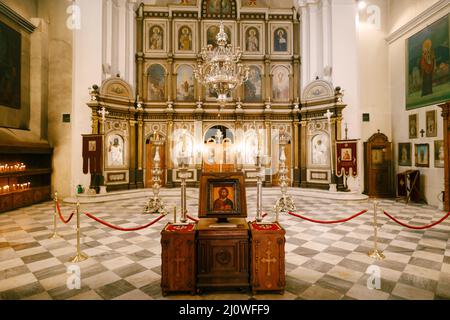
column 120, row 228
column 61, row 216
column 192, row 218
column 416, row 227
column 327, row 222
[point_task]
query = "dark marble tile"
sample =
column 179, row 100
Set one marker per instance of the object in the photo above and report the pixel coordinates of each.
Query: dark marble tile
column 390, row 264
column 353, row 265
column 418, row 282
column 129, row 270
column 22, row 292
column 428, row 264
column 118, row 244
column 306, row 252
column 140, row 255
column 37, row 257
column 92, row 270
column 296, row 286
column 337, row 251
column 352, row 240
column 50, row 272
column 64, row 293
column 115, row 289
column 128, row 235
column 330, row 282
column 12, row 272
column 317, row 265
column 296, row 241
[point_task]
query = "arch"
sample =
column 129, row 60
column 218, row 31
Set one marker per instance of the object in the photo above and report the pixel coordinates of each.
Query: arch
column 116, row 87
column 318, row 90
column 210, row 134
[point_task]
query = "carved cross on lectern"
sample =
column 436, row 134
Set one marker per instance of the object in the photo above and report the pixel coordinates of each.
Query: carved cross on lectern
column 269, row 258
column 103, row 113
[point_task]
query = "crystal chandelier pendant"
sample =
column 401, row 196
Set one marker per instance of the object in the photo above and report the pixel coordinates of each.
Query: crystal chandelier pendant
column 221, row 71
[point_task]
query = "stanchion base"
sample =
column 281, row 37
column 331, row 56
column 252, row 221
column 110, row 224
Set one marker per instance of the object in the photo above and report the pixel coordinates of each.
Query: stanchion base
column 79, row 257
column 375, row 254
column 55, row 236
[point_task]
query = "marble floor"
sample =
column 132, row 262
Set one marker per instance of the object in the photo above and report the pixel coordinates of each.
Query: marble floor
column 322, row 261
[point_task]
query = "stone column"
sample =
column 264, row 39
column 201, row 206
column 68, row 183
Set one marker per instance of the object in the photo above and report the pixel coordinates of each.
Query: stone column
column 326, row 38
column 302, row 163
column 296, row 142
column 133, row 153
column 140, row 154
column 169, row 147
column 305, row 45
column 139, row 52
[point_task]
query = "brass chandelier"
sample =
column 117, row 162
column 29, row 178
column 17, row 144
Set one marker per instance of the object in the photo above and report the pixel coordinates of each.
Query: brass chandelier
column 221, row 71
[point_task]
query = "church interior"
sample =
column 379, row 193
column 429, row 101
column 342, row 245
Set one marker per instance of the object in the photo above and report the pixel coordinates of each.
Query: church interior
column 224, row 149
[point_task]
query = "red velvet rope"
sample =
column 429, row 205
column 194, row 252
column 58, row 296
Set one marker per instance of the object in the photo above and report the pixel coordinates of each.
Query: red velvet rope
column 120, row 228
column 415, row 227
column 327, row 222
column 61, row 216
column 192, row 218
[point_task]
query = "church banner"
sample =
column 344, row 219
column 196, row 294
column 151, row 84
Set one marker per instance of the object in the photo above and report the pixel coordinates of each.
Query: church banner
column 92, row 153
column 346, row 158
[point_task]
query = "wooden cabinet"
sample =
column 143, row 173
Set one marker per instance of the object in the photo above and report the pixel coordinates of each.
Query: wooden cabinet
column 38, row 162
column 446, row 125
column 378, row 171
column 178, row 256
column 223, row 255
column 268, row 257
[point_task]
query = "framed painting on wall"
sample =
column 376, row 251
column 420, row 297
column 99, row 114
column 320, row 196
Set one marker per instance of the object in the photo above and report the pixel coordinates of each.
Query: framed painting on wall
column 412, row 127
column 185, row 38
column 422, row 155
column 253, row 87
column 156, row 36
column 431, row 123
column 280, row 39
column 439, row 154
column 404, row 154
column 252, row 38
column 427, row 65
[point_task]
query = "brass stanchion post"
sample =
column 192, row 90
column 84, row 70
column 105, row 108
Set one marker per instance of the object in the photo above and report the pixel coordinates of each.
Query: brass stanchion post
column 80, row 256
column 375, row 253
column 55, row 234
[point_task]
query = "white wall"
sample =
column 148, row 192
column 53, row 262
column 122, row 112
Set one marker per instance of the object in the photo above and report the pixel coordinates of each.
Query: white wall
column 432, row 178
column 87, row 70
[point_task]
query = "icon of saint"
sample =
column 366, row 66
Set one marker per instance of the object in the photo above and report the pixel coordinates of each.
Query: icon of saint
column 223, row 203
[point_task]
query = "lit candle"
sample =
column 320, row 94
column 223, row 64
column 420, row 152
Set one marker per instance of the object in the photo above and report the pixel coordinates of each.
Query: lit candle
column 28, row 185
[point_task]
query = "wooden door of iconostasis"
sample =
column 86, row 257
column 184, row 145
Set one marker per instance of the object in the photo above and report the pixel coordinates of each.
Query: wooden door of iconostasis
column 276, row 176
column 150, row 152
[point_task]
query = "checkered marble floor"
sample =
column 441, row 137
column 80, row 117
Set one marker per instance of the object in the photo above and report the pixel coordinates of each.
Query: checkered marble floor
column 322, row 261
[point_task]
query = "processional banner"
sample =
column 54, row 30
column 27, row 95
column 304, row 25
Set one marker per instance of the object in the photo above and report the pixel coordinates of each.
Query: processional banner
column 92, row 153
column 346, row 158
